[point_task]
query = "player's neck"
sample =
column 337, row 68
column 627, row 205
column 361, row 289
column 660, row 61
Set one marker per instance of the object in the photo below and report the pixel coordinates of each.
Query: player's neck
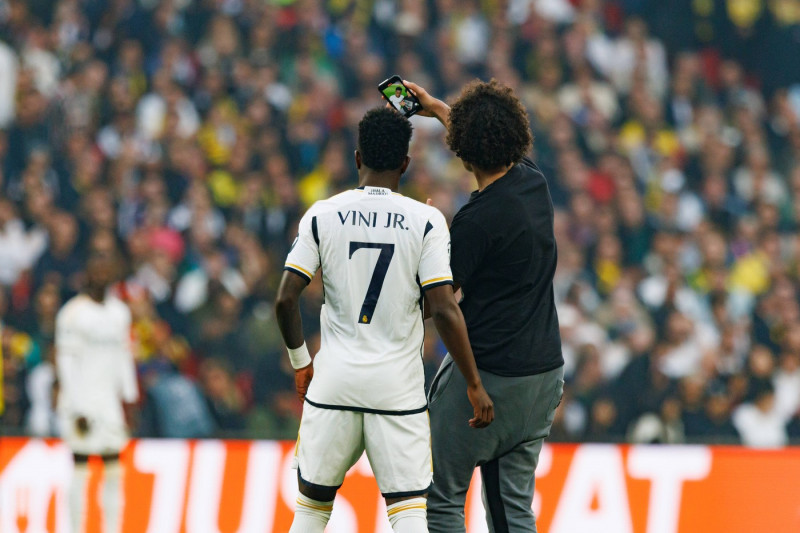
column 98, row 294
column 386, row 180
column 486, row 178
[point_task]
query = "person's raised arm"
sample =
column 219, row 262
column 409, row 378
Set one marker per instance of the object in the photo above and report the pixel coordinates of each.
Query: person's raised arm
column 450, row 323
column 431, row 106
column 287, row 311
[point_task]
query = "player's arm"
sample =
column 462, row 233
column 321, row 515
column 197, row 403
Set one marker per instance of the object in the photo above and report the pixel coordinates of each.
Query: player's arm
column 470, row 244
column 436, row 280
column 287, row 310
column 301, row 265
column 129, row 387
column 67, row 343
column 450, row 323
column 426, row 307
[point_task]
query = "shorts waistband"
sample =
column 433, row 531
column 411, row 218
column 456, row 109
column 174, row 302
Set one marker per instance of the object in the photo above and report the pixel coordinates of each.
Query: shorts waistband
column 84, row 458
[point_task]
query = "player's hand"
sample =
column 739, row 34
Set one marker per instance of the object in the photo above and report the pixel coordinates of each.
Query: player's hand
column 302, row 379
column 431, row 106
column 129, row 412
column 482, row 406
column 82, row 425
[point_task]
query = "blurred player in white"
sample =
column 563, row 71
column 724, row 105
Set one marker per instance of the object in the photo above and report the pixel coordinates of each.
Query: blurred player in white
column 379, row 253
column 97, row 383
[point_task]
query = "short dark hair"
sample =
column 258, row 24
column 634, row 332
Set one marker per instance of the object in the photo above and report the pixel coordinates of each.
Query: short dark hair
column 398, row 89
column 383, row 137
column 489, row 126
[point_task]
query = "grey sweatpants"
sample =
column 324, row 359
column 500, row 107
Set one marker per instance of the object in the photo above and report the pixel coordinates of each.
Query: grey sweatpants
column 507, row 451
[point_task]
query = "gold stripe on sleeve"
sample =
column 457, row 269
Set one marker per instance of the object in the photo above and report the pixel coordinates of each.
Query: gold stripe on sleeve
column 434, row 280
column 301, row 269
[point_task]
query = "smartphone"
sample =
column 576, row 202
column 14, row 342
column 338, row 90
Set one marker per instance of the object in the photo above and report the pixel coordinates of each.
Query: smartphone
column 399, row 96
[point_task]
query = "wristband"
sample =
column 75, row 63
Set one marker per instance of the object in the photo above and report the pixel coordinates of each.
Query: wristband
column 299, row 357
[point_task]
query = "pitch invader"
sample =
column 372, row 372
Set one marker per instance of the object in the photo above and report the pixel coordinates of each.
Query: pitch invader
column 379, row 252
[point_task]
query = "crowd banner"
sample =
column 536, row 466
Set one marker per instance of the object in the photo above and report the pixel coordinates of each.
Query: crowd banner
column 214, row 486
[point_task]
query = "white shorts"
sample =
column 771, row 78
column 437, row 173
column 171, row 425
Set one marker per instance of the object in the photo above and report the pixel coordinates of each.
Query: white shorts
column 103, row 437
column 398, row 448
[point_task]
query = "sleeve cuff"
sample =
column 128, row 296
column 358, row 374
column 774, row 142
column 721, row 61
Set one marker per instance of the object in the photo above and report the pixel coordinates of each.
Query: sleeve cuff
column 300, row 271
column 436, row 282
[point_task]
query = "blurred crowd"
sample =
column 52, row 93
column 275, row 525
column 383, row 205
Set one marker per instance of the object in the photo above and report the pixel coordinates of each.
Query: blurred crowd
column 188, row 136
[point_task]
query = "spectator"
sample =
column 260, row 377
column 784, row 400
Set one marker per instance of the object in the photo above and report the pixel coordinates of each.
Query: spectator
column 224, row 398
column 189, row 140
column 41, row 389
column 61, row 263
column 194, row 287
column 759, row 423
column 631, row 58
column 786, row 379
column 717, row 426
column 8, row 85
column 20, row 247
column 175, row 408
column 664, row 427
column 692, row 399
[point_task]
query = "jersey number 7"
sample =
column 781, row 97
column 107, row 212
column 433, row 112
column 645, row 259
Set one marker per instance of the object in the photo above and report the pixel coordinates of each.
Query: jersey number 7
column 378, row 276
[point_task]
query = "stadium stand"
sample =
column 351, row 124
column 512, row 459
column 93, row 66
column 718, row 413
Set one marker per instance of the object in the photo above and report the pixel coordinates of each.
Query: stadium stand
column 188, row 136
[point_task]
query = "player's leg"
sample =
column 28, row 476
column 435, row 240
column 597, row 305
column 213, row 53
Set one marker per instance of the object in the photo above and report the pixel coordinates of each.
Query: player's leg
column 408, row 515
column 313, row 511
column 112, row 495
column 508, row 480
column 77, row 494
column 328, row 444
column 399, row 451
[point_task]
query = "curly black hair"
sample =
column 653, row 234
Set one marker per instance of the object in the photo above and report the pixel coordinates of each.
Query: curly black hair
column 383, row 136
column 489, row 127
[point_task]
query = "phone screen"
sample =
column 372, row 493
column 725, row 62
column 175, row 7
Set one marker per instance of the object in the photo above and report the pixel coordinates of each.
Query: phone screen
column 399, row 96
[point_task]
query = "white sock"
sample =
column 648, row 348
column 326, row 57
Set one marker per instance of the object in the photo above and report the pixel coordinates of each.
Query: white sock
column 310, row 516
column 112, row 495
column 77, row 496
column 409, row 516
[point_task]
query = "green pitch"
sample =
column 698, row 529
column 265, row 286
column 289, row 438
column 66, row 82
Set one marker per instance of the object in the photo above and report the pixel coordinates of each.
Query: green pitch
column 390, row 90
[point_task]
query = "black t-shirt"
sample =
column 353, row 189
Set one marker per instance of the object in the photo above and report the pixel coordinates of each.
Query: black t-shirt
column 504, row 258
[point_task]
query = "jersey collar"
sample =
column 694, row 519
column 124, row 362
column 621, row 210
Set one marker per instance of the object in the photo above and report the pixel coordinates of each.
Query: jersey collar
column 381, row 191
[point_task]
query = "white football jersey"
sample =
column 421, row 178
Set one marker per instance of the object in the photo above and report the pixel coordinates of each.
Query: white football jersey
column 378, row 251
column 397, row 101
column 96, row 372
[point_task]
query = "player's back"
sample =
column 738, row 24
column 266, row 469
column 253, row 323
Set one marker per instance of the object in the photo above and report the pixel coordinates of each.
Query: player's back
column 377, row 250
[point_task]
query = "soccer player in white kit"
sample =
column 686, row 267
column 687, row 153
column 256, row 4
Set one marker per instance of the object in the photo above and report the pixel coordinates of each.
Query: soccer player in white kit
column 397, row 99
column 97, row 378
column 379, row 252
